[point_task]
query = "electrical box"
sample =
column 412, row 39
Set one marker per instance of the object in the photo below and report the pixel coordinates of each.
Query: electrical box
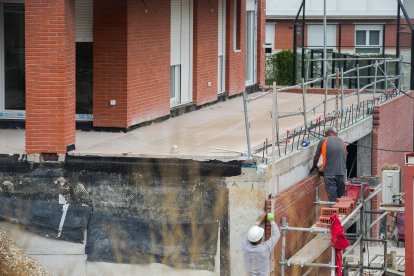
column 390, row 186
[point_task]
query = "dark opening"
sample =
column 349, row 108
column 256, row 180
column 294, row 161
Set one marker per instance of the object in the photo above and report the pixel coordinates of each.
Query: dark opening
column 351, row 160
column 14, row 57
column 84, row 78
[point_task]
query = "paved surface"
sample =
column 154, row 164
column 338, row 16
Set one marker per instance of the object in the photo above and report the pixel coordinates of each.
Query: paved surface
column 214, row 132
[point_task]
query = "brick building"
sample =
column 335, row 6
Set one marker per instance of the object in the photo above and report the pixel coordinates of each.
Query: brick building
column 361, row 27
column 118, row 64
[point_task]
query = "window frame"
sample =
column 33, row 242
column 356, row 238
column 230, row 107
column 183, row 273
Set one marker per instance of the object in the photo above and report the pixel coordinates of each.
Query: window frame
column 367, row 29
column 237, row 25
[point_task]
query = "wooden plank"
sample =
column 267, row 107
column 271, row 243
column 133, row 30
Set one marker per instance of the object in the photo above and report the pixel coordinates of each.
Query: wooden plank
column 311, row 251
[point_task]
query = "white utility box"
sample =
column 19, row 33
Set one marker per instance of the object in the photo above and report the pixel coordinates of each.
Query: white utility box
column 390, row 185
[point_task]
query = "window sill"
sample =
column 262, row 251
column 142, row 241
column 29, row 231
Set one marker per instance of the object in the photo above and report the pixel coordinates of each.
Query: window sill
column 237, row 51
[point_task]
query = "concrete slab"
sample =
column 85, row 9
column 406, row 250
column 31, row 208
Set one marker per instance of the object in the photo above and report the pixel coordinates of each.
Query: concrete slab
column 195, row 135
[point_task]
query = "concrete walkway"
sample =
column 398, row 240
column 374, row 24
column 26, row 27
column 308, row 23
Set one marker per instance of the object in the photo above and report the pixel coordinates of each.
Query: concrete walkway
column 199, row 135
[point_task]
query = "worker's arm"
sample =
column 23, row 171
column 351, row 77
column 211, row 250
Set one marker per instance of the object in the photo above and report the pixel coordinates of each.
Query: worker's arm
column 317, row 154
column 270, row 243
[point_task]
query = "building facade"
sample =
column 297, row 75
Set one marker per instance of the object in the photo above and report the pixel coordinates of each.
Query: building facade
column 355, row 27
column 118, row 64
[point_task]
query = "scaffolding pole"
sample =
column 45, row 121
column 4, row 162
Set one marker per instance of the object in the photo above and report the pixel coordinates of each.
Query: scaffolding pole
column 303, row 260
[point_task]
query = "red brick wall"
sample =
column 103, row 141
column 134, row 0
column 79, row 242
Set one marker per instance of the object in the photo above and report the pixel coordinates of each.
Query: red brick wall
column 110, row 63
column 205, row 51
column 50, row 75
column 284, row 35
column 297, row 205
column 392, row 129
column 148, row 60
column 235, row 60
column 261, row 29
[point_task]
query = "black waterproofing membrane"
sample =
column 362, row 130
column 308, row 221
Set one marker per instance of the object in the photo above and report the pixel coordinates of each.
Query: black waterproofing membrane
column 135, row 241
column 44, row 218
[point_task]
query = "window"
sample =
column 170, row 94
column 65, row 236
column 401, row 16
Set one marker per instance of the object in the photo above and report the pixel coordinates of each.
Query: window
column 270, row 38
column 236, row 25
column 368, row 39
column 315, row 36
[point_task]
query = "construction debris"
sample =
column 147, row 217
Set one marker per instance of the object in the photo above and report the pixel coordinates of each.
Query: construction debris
column 14, row 261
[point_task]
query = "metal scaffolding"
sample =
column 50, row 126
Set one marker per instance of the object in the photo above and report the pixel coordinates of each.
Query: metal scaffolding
column 312, row 250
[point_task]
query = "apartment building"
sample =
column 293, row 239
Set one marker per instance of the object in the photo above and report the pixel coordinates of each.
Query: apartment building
column 120, row 63
column 355, row 26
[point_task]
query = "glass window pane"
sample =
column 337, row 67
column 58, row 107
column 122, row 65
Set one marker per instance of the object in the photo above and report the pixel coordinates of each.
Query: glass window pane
column 361, row 38
column 374, row 50
column 84, row 78
column 14, row 57
column 374, row 38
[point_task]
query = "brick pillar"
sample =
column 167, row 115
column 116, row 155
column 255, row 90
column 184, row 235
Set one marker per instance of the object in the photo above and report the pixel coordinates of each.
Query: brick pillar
column 205, row 52
column 261, row 26
column 110, row 63
column 235, row 59
column 50, row 75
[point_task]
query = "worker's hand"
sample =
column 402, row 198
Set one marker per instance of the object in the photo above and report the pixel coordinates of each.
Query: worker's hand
column 261, row 218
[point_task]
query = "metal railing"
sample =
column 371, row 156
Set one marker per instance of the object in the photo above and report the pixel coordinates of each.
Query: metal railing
column 367, row 97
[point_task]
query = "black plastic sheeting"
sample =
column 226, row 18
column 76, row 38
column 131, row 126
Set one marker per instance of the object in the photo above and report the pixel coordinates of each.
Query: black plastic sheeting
column 136, row 241
column 43, row 217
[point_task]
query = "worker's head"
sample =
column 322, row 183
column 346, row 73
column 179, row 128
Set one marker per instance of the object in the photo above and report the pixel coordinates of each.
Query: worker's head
column 255, row 234
column 330, row 131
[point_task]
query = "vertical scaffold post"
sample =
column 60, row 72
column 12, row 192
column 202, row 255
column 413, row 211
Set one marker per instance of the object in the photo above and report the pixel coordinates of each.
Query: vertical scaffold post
column 358, row 86
column 247, row 124
column 375, row 79
column 342, row 89
column 283, row 253
column 333, row 267
column 317, row 204
column 337, row 98
column 362, row 228
column 274, row 121
column 304, row 90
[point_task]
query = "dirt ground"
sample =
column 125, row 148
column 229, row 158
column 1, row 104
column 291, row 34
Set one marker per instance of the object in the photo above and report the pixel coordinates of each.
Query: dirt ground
column 14, row 261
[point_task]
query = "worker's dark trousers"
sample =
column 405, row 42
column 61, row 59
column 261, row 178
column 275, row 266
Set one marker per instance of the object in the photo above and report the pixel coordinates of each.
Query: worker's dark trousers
column 335, row 186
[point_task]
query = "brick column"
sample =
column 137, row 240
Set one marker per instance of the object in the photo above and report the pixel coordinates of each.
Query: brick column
column 261, row 27
column 235, row 59
column 50, row 75
column 205, row 51
column 110, row 63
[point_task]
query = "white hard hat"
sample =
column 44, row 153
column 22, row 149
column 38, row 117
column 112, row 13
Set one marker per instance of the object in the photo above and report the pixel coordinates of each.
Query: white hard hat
column 255, row 233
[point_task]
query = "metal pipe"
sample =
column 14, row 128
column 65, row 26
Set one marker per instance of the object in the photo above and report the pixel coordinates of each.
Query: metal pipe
column 377, row 220
column 282, row 255
column 303, row 38
column 324, row 59
column 304, row 88
column 349, row 249
column 311, row 230
column 274, row 133
column 303, row 264
column 332, row 259
column 386, row 76
column 375, row 79
column 348, row 218
column 337, row 98
column 374, row 193
column 362, row 227
column 325, row 202
column 358, row 99
column 247, row 125
column 317, row 205
column 342, row 88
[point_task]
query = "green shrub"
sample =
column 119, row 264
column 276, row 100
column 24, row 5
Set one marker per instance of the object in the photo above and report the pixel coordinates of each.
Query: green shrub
column 279, row 68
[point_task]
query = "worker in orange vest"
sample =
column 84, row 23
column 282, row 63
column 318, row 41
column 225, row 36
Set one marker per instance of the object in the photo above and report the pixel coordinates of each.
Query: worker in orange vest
column 331, row 156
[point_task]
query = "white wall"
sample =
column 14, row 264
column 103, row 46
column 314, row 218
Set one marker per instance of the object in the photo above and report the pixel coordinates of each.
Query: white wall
column 335, row 8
